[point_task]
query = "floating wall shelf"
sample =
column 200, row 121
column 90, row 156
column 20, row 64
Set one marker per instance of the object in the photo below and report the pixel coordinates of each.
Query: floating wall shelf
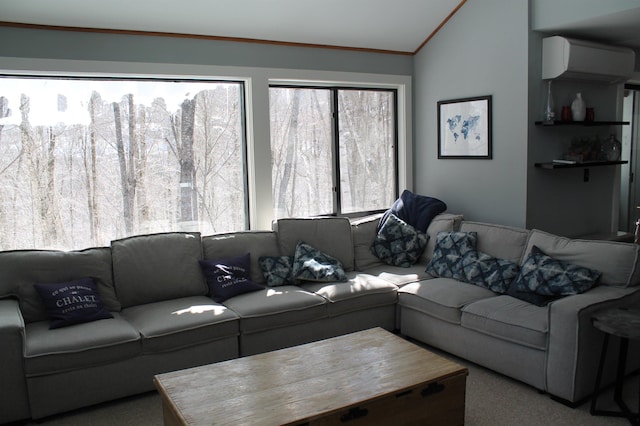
column 581, row 123
column 584, row 164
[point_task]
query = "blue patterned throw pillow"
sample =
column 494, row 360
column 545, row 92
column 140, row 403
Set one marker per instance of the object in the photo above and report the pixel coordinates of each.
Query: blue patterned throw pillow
column 277, row 270
column 72, row 302
column 398, row 243
column 448, row 252
column 543, row 278
column 228, row 277
column 311, row 264
column 487, row 271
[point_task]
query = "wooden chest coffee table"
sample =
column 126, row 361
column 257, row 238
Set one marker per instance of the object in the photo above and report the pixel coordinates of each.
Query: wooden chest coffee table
column 369, row 377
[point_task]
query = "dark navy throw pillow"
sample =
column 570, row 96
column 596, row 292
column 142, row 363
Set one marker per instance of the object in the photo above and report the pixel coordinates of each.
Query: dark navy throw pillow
column 416, row 210
column 522, row 293
column 228, row 277
column 72, row 302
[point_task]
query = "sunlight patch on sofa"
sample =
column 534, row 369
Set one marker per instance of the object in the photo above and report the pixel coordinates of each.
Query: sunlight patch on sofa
column 200, row 309
column 273, row 292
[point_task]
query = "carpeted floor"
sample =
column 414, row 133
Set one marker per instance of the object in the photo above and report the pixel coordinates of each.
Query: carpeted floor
column 491, row 399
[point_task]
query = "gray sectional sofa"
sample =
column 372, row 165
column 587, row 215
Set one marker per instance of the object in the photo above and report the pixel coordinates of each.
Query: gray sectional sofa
column 164, row 320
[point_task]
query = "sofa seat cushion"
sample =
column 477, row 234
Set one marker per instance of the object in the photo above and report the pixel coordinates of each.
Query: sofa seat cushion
column 509, row 319
column 78, row 346
column 442, row 298
column 399, row 276
column 277, row 307
column 361, row 291
column 179, row 323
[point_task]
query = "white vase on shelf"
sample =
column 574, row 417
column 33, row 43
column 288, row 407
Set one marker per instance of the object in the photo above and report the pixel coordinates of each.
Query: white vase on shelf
column 578, row 108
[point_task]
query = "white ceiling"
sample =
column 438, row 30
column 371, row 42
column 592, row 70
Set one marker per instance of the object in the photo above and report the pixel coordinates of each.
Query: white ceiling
column 621, row 28
column 396, row 25
column 393, row 25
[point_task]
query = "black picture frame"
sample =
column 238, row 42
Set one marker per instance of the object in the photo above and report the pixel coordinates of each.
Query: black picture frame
column 464, row 128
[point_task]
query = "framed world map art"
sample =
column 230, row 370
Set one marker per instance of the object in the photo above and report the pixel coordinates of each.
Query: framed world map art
column 464, row 128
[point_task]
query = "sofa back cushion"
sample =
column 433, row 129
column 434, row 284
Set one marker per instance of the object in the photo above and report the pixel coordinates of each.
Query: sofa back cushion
column 256, row 243
column 617, row 261
column 331, row 235
column 364, row 230
column 21, row 269
column 156, row 267
column 502, row 242
column 444, row 222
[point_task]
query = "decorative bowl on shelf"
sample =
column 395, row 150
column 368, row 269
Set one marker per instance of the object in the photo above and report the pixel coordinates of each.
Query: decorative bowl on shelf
column 611, row 148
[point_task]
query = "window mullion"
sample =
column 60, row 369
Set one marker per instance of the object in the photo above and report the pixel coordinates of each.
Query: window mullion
column 337, row 202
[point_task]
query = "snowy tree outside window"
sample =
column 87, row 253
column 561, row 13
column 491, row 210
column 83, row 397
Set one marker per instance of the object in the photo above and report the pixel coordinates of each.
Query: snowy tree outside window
column 333, row 150
column 86, row 161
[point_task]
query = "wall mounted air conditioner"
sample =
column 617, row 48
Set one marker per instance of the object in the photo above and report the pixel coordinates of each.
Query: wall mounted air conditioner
column 567, row 58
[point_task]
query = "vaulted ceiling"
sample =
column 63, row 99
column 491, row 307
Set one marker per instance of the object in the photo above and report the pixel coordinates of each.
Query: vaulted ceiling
column 398, row 25
column 386, row 25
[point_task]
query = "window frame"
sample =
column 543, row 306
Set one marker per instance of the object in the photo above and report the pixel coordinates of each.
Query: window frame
column 242, row 117
column 257, row 81
column 335, row 140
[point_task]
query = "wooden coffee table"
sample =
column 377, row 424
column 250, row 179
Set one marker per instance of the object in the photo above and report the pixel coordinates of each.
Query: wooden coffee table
column 368, row 377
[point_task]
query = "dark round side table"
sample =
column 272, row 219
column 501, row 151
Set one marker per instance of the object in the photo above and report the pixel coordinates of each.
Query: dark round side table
column 625, row 324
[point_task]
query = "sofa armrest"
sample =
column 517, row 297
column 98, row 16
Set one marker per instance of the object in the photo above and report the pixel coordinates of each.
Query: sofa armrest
column 14, row 403
column 574, row 344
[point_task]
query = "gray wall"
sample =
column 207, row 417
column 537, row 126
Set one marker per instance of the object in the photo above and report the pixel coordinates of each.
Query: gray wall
column 554, row 13
column 487, row 48
column 481, row 51
column 32, row 43
column 561, row 201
